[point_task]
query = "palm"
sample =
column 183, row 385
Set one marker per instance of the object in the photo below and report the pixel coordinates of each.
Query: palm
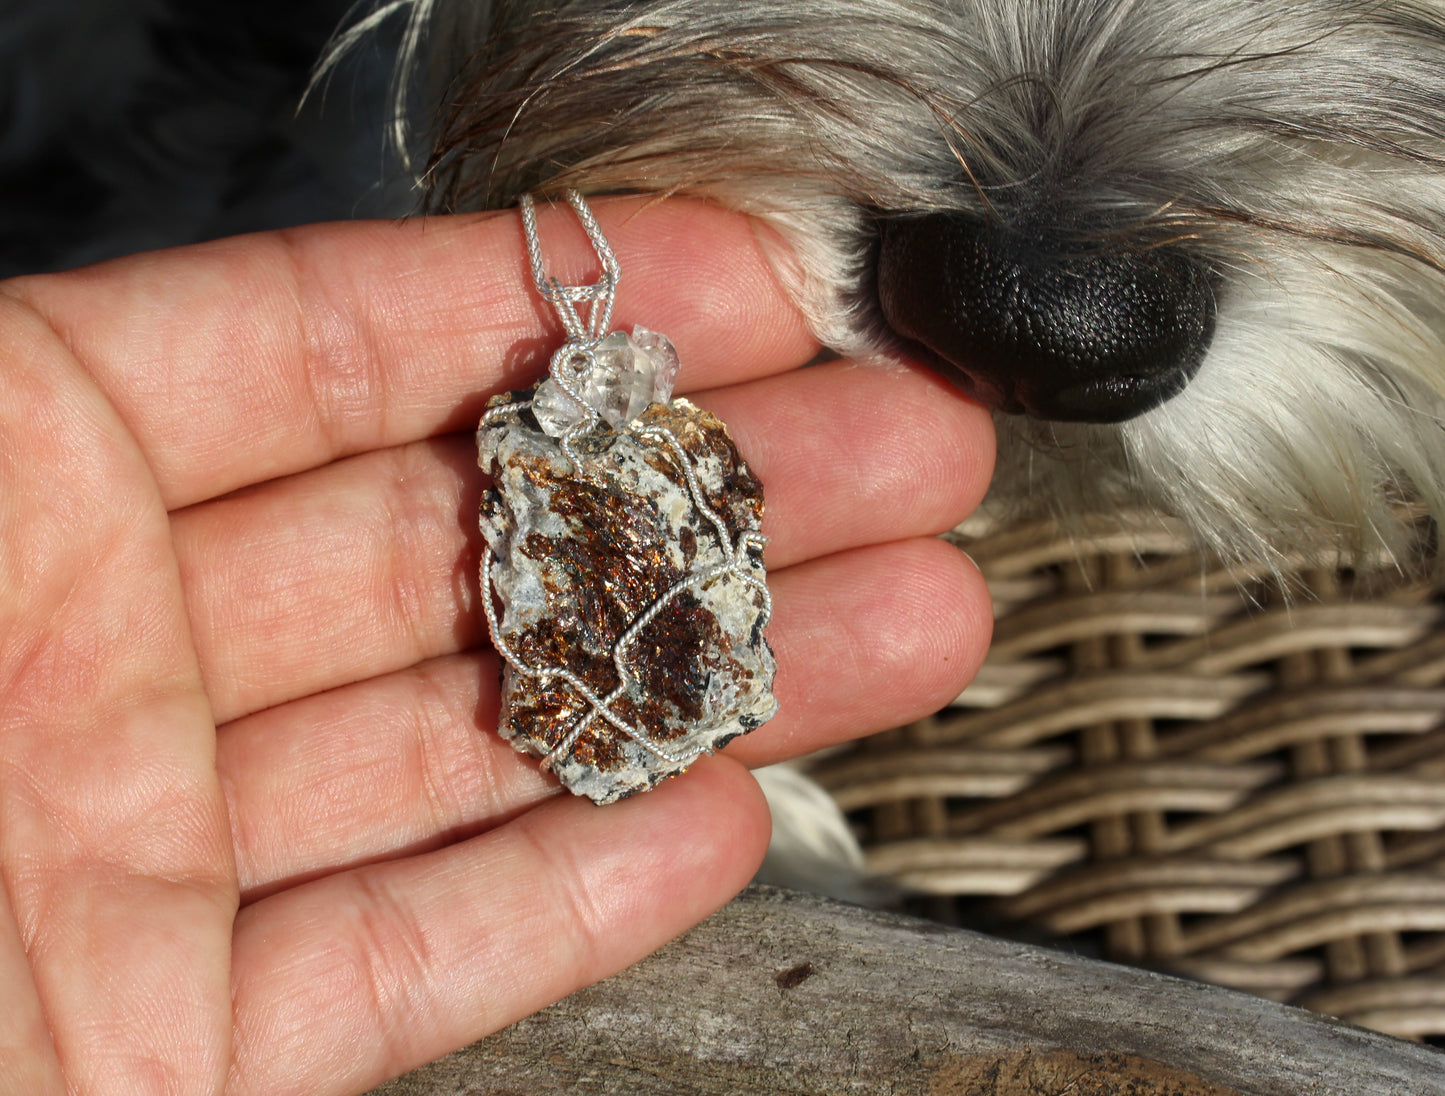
column 241, row 666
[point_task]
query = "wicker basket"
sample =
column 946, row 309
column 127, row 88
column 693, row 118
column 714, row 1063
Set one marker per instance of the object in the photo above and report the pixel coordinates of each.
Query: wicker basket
column 1166, row 762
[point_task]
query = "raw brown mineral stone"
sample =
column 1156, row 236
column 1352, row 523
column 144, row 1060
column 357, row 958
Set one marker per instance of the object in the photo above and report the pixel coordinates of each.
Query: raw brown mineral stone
column 631, row 617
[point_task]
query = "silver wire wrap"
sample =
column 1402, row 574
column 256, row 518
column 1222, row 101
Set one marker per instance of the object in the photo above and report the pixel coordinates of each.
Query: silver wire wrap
column 575, row 358
column 566, row 298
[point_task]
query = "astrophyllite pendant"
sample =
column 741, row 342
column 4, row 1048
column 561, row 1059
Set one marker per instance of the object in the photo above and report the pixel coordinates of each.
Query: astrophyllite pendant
column 623, row 575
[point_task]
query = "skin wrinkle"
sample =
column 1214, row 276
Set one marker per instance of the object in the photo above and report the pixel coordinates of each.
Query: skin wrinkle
column 256, row 368
column 249, row 366
column 443, row 816
column 312, row 553
column 243, row 843
column 288, row 1029
column 490, row 782
column 308, row 389
column 443, row 783
column 164, row 797
column 341, row 376
column 413, row 528
column 53, row 643
column 570, row 891
column 25, row 1028
column 394, row 959
column 42, row 410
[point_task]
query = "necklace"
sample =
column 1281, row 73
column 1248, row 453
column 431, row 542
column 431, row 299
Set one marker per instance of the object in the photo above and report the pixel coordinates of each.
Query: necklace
column 622, row 578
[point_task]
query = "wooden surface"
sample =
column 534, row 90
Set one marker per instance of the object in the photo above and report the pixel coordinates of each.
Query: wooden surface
column 787, row 993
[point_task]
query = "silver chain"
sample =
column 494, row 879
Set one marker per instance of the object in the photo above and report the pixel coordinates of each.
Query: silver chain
column 566, row 298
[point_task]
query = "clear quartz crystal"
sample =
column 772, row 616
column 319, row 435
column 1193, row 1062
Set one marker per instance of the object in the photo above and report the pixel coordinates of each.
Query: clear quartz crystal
column 631, row 372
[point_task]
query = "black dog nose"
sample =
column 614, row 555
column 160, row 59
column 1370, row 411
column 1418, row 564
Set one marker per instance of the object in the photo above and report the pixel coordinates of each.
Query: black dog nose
column 1040, row 323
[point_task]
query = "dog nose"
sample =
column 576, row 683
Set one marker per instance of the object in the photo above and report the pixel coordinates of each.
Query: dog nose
column 1040, row 323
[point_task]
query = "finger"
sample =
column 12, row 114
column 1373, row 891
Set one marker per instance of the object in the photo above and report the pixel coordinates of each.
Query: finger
column 369, row 565
column 394, row 766
column 865, row 640
column 360, row 568
column 344, row 982
column 882, row 636
column 851, row 454
column 113, row 844
column 237, row 361
column 28, row 1062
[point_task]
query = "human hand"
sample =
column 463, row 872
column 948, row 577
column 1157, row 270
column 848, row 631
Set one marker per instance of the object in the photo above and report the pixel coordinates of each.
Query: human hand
column 257, row 831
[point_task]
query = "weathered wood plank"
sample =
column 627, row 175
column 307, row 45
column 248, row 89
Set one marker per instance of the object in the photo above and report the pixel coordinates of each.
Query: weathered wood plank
column 788, row 993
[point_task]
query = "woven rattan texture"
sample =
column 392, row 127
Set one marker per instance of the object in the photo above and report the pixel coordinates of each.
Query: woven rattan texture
column 1167, row 763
